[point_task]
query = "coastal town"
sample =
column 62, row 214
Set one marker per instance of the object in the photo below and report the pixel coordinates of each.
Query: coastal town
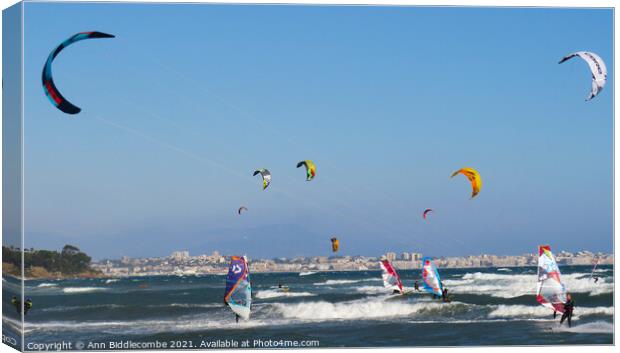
column 182, row 263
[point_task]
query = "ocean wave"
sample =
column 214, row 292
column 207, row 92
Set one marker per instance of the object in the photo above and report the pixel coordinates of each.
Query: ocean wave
column 45, row 285
column 111, row 280
column 519, row 311
column 83, row 307
column 503, row 285
column 590, row 327
column 359, row 309
column 71, row 290
column 269, row 294
column 331, row 282
column 189, row 305
column 504, row 269
column 178, row 325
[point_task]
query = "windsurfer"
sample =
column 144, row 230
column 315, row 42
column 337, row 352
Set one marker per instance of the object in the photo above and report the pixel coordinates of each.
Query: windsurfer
column 15, row 302
column 444, row 295
column 595, row 279
column 416, row 286
column 27, row 305
column 237, row 318
column 568, row 310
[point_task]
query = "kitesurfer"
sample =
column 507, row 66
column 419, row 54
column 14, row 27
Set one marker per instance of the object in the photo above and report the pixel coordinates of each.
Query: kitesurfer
column 416, row 286
column 568, row 310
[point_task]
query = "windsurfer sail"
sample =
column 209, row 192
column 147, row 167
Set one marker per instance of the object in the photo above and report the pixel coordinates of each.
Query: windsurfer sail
column 593, row 269
column 551, row 292
column 391, row 279
column 238, row 294
column 430, row 277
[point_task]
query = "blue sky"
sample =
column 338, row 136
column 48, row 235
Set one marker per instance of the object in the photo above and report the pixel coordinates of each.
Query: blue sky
column 188, row 100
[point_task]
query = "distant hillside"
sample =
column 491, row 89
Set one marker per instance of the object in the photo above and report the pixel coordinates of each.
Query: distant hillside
column 70, row 262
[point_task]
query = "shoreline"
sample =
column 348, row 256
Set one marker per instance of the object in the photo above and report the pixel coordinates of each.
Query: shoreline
column 223, row 273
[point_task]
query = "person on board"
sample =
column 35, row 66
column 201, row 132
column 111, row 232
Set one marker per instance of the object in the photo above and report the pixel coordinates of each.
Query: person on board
column 595, row 279
column 416, row 286
column 444, row 296
column 568, row 310
column 237, row 318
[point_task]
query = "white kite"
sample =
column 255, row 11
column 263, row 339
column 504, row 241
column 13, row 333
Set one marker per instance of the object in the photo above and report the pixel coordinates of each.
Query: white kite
column 597, row 66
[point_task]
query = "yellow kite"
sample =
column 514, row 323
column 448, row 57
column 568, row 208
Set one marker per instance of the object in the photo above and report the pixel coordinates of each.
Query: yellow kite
column 310, row 169
column 335, row 244
column 474, row 179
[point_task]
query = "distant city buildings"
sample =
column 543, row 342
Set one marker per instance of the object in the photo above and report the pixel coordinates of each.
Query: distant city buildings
column 181, row 263
column 391, row 256
column 180, row 255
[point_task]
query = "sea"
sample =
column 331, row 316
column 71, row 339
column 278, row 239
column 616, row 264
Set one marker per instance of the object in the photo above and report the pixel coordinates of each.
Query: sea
column 490, row 306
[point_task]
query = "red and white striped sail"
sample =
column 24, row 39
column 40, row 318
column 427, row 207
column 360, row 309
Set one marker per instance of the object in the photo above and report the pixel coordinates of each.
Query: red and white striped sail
column 391, row 279
column 551, row 292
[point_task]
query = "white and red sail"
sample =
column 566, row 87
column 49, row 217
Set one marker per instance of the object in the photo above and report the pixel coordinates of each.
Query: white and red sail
column 550, row 292
column 391, row 279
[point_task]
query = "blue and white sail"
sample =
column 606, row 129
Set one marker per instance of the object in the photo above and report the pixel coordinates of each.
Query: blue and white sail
column 430, row 277
column 238, row 294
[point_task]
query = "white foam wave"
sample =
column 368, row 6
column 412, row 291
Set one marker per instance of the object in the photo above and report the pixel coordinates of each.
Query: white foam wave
column 504, row 285
column 112, row 280
column 354, row 310
column 44, row 285
column 520, row 311
column 72, row 290
column 269, row 294
column 372, row 290
column 332, row 282
column 590, row 327
column 504, row 270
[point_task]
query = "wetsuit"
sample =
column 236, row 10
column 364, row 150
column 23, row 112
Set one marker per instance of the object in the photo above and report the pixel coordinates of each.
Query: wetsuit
column 568, row 312
column 595, row 279
column 416, row 287
column 237, row 318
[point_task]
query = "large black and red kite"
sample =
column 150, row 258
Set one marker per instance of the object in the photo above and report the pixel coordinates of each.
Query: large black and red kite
column 48, row 81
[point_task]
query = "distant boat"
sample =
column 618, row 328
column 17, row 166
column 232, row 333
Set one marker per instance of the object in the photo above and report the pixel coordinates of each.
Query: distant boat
column 307, row 273
column 550, row 291
column 238, row 293
column 391, row 279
